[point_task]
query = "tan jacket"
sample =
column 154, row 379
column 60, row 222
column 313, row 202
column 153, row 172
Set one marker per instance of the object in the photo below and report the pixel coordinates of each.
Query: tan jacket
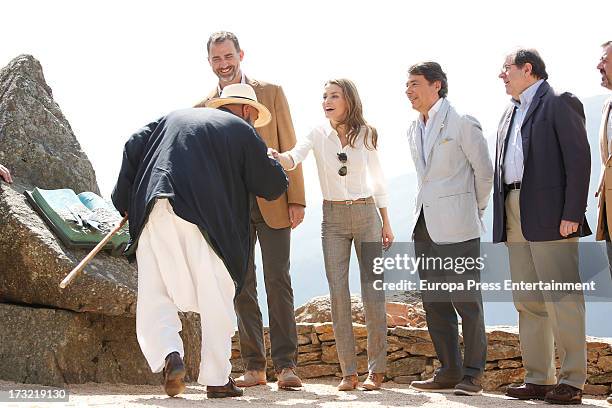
column 279, row 135
column 605, row 184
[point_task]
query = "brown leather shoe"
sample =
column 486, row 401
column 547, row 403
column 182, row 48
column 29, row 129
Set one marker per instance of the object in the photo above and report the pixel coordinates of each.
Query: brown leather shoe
column 348, row 383
column 174, row 374
column 373, row 382
column 287, row 378
column 433, row 385
column 528, row 391
column 251, row 378
column 224, row 391
column 564, row 394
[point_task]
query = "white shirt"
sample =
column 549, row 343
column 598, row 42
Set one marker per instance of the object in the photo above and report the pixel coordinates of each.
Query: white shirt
column 514, row 160
column 362, row 164
column 425, row 128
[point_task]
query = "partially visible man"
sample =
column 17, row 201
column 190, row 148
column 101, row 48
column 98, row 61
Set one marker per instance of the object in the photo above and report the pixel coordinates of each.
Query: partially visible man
column 455, row 176
column 541, row 184
column 185, row 183
column 271, row 224
column 5, row 174
column 605, row 148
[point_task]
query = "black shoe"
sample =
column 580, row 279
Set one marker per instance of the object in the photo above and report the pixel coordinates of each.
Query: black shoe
column 469, row 386
column 223, row 391
column 174, row 374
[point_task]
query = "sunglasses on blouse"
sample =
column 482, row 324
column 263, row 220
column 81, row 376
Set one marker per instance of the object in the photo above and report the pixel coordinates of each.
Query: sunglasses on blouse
column 343, row 158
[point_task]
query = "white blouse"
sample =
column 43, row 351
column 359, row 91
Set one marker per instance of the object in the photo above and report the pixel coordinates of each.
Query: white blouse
column 362, row 166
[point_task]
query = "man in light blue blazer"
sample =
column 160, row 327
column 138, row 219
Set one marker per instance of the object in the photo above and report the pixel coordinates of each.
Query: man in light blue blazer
column 455, row 177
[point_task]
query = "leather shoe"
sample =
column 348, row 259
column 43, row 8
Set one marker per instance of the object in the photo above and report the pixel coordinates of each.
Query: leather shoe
column 224, row 391
column 564, row 394
column 373, row 382
column 469, row 386
column 287, row 378
column 434, row 385
column 251, row 378
column 528, row 391
column 348, row 383
column 174, row 374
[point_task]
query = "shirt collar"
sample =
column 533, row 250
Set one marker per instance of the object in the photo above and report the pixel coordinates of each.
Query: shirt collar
column 432, row 112
column 526, row 97
column 330, row 131
column 242, row 81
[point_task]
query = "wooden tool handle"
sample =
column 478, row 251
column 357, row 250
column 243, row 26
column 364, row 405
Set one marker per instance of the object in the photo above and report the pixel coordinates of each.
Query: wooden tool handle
column 73, row 273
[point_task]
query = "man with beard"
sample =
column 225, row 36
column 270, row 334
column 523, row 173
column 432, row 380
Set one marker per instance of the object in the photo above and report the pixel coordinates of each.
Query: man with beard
column 185, row 182
column 271, row 224
column 605, row 148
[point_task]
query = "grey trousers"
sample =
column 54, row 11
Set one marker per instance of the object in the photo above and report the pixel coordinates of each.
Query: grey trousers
column 274, row 244
column 342, row 226
column 546, row 318
column 441, row 309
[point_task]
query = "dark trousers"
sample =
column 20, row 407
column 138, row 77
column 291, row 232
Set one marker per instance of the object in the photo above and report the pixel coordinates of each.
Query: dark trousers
column 441, row 308
column 274, row 244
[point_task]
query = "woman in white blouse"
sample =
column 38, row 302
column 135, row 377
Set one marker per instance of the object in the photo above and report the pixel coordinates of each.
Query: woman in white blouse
column 346, row 155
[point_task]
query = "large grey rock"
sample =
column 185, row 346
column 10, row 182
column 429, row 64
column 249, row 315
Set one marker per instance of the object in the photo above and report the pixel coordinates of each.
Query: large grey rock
column 55, row 347
column 36, row 141
column 42, row 339
column 33, row 262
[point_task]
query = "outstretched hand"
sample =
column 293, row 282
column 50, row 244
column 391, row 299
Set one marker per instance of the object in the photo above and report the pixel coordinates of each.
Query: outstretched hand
column 273, row 154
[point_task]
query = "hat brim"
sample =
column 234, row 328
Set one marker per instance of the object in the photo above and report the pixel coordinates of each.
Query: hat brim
column 264, row 114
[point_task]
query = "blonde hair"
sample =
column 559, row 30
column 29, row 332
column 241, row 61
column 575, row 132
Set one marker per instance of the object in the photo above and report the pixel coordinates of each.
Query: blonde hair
column 354, row 115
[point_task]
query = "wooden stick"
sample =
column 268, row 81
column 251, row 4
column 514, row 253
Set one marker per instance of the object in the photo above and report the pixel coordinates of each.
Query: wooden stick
column 73, row 273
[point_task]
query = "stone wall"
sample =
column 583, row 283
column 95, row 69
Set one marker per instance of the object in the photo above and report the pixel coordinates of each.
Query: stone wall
column 411, row 356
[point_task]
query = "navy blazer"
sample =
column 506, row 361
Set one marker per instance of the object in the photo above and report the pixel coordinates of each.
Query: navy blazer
column 557, row 167
column 207, row 162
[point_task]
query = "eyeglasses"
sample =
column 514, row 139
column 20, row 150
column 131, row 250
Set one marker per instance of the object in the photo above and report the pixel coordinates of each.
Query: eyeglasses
column 506, row 67
column 343, row 158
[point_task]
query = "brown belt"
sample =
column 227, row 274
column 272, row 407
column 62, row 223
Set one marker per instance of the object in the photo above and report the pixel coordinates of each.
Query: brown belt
column 367, row 200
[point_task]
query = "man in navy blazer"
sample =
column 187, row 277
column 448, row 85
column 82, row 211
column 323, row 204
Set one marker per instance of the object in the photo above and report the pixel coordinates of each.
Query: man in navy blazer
column 541, row 183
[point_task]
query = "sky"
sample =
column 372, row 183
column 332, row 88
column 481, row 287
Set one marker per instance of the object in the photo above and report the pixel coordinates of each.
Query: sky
column 114, row 66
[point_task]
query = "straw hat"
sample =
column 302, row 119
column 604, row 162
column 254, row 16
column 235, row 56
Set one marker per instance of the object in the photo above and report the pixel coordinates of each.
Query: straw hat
column 242, row 94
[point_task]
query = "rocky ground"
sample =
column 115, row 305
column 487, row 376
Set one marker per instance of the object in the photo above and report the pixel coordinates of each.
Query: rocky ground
column 316, row 393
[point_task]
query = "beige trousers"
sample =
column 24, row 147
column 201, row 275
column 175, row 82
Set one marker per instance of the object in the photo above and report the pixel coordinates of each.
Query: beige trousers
column 547, row 318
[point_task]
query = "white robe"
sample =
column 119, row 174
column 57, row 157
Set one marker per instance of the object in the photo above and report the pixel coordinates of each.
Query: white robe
column 179, row 271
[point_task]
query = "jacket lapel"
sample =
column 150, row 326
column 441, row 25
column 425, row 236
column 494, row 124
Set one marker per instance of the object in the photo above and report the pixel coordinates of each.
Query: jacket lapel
column 436, row 130
column 603, row 134
column 502, row 139
column 526, row 130
column 416, row 146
